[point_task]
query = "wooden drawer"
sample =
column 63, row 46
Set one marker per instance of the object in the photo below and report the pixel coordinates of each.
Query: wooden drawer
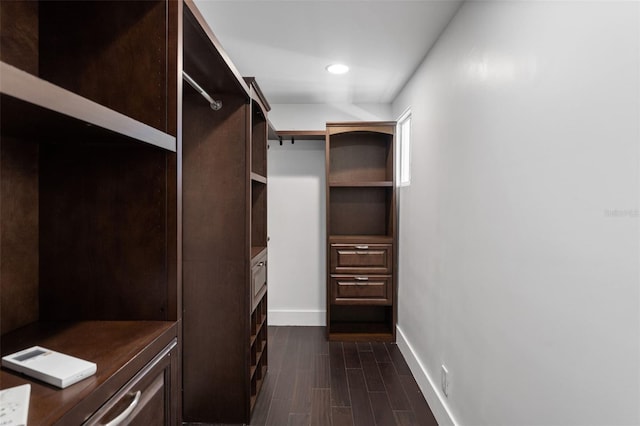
column 361, row 290
column 258, row 279
column 146, row 399
column 361, row 258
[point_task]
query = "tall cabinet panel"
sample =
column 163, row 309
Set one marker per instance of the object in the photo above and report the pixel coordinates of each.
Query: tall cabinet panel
column 361, row 231
column 88, row 183
column 224, row 232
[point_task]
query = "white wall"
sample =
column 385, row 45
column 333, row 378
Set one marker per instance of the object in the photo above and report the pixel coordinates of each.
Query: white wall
column 516, row 270
column 296, row 222
column 296, row 211
column 315, row 116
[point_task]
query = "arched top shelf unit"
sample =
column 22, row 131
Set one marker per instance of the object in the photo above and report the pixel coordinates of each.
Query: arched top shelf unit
column 385, row 127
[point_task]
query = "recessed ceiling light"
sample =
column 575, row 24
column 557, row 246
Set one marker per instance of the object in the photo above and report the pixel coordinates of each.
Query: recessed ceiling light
column 337, row 68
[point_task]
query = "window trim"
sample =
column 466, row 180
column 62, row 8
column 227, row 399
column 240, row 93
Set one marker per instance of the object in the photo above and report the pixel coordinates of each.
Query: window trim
column 404, row 149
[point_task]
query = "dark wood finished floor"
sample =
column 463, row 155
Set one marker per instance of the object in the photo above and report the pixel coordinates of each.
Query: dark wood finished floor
column 315, row 382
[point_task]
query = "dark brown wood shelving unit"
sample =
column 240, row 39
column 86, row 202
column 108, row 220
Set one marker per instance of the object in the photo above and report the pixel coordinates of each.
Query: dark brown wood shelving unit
column 88, row 190
column 224, row 232
column 361, row 231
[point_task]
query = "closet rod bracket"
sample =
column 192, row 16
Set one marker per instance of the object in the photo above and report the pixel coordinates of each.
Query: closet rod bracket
column 215, row 105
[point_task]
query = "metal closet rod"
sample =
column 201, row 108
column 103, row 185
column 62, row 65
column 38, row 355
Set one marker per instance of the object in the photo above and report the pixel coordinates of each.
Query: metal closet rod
column 215, row 105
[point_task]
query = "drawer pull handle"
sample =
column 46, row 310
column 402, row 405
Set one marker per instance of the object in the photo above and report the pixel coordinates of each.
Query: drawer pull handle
column 260, row 265
column 123, row 416
column 362, row 278
column 362, row 247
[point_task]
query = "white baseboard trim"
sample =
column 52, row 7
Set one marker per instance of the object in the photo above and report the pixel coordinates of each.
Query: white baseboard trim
column 428, row 387
column 296, row 317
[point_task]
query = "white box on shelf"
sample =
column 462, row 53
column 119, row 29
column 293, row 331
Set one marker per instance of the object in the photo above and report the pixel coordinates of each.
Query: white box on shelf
column 51, row 367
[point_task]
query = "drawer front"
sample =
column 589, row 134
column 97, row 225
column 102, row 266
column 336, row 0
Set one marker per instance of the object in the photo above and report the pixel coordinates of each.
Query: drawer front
column 258, row 280
column 147, row 398
column 361, row 290
column 361, row 258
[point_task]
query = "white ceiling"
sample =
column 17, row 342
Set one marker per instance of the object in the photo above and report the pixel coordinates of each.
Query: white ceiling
column 286, row 45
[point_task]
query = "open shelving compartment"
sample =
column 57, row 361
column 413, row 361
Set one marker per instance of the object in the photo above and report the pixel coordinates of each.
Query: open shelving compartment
column 88, row 189
column 361, row 212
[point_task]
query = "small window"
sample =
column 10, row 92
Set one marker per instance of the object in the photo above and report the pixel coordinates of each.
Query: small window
column 404, row 149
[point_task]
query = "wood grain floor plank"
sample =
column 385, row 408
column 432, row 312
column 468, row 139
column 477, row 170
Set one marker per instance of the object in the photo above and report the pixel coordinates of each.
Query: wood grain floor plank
column 371, row 372
column 360, row 404
column 395, row 390
column 380, row 351
column 306, row 347
column 341, row 416
column 339, row 387
column 278, row 412
column 261, row 409
column 351, row 358
column 301, row 401
column 299, row 419
column 364, row 347
column 424, row 416
column 320, row 407
column 277, row 346
column 321, row 374
column 285, row 384
column 382, row 412
column 398, row 360
column 405, row 418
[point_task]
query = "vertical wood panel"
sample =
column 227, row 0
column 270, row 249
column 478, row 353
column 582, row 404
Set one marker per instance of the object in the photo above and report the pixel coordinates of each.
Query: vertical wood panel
column 19, row 34
column 215, row 263
column 19, row 242
column 102, row 232
column 117, row 51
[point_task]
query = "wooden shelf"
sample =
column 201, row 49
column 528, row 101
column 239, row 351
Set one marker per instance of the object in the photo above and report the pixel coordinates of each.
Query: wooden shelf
column 32, row 107
column 257, row 251
column 355, row 331
column 259, row 356
column 258, row 329
column 258, row 178
column 119, row 348
column 361, row 184
column 258, row 387
column 303, row 135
